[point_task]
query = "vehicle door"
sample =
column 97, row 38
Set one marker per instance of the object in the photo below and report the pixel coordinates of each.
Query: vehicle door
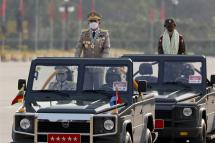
column 210, row 105
column 142, row 71
column 138, row 123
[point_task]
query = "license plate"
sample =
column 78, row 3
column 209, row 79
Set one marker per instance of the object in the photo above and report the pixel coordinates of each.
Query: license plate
column 64, row 138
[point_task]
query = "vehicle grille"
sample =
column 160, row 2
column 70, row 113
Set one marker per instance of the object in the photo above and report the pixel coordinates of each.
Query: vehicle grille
column 166, row 115
column 163, row 114
column 57, row 127
column 42, row 138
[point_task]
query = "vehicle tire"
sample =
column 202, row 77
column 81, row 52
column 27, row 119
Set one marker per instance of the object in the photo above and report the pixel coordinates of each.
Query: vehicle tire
column 148, row 136
column 202, row 137
column 128, row 138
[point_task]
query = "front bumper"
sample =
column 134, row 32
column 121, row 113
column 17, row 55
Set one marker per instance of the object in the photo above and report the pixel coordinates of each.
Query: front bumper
column 39, row 136
column 85, row 139
column 176, row 125
column 179, row 133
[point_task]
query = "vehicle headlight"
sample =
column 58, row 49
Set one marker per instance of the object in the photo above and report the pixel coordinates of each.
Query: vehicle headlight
column 108, row 125
column 25, row 124
column 187, row 112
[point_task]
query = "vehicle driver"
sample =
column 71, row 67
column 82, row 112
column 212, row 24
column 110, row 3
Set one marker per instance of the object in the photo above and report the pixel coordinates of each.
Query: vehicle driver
column 61, row 82
column 113, row 74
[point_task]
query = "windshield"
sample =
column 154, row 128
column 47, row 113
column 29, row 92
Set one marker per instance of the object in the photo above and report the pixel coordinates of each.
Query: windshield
column 55, row 78
column 105, row 78
column 183, row 72
column 83, row 85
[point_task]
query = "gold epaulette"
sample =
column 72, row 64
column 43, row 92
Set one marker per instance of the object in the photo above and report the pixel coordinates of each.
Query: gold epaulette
column 104, row 30
column 84, row 30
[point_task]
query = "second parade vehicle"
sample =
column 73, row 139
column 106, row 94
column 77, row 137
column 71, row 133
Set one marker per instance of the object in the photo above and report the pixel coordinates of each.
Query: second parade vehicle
column 184, row 97
column 69, row 100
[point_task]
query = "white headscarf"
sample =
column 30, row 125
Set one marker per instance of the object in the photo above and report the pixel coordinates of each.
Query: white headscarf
column 170, row 46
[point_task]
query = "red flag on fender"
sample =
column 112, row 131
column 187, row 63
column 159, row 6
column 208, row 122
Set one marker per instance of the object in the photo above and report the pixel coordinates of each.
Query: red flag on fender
column 19, row 97
column 118, row 98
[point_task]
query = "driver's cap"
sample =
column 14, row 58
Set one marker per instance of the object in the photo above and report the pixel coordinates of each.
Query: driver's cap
column 61, row 69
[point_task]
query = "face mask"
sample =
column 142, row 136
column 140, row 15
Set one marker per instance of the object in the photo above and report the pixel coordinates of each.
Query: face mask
column 94, row 25
column 61, row 77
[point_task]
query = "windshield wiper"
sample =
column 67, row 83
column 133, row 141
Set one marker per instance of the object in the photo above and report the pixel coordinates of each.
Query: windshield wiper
column 56, row 92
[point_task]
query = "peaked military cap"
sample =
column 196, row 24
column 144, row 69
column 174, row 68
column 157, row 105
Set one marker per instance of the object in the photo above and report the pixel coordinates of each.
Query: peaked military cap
column 169, row 22
column 61, row 69
column 94, row 16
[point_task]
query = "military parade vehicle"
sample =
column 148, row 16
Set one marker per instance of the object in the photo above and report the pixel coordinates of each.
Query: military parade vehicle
column 184, row 97
column 72, row 100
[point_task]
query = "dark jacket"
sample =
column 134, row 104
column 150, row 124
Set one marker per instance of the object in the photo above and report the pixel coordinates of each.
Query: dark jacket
column 181, row 49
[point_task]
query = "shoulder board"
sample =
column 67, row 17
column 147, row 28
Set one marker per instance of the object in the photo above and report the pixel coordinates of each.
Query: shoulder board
column 104, row 30
column 85, row 30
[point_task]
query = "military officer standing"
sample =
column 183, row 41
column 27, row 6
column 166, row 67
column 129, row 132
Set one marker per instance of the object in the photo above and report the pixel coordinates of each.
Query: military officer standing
column 93, row 43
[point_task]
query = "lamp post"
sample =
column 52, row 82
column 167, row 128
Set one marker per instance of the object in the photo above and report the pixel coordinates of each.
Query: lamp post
column 175, row 3
column 65, row 9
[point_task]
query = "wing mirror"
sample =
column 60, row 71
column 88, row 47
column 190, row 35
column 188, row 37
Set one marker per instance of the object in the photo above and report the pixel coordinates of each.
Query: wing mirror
column 212, row 79
column 142, row 86
column 21, row 83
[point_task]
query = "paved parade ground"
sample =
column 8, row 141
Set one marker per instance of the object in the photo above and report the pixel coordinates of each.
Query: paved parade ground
column 10, row 72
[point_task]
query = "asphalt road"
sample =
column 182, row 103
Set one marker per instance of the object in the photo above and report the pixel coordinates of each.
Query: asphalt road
column 10, row 72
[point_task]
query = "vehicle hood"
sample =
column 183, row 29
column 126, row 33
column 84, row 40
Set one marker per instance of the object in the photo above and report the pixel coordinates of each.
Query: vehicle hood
column 61, row 107
column 182, row 95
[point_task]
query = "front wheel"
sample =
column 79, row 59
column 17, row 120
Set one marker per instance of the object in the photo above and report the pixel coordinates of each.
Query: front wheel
column 128, row 138
column 202, row 137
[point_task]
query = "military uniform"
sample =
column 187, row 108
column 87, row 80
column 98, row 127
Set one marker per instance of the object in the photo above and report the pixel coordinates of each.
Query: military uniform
column 97, row 47
column 66, row 85
column 93, row 43
column 61, row 82
column 93, row 78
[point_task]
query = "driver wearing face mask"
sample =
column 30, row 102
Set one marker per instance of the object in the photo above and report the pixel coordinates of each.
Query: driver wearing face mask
column 94, row 42
column 61, row 81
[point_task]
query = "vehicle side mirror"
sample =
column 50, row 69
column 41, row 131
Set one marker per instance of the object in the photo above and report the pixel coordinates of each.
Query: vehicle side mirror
column 142, row 86
column 21, row 83
column 212, row 79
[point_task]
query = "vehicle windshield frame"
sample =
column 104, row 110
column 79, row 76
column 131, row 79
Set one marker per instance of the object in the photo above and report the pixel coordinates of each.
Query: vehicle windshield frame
column 161, row 59
column 32, row 96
